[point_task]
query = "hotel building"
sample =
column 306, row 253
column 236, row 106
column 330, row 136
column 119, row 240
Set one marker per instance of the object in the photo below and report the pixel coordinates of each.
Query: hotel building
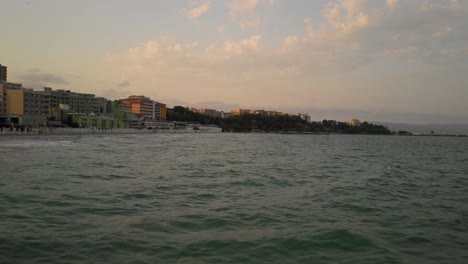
column 23, row 106
column 78, row 102
column 3, row 73
column 144, row 107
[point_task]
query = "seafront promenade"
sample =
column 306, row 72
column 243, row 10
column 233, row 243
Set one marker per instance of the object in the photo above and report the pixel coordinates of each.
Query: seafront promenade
column 72, row 131
column 88, row 131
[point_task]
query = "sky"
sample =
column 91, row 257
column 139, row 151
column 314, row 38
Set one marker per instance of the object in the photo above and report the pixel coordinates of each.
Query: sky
column 376, row 60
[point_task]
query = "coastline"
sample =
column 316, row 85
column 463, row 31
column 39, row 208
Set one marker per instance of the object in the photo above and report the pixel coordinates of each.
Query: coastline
column 123, row 131
column 89, row 131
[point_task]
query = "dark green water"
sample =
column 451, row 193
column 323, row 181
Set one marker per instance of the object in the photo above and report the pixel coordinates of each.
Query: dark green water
column 233, row 198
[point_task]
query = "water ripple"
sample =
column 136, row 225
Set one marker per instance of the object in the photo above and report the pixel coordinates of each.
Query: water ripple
column 233, row 198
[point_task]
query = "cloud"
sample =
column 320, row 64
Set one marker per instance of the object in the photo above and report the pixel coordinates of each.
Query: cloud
column 352, row 33
column 391, row 4
column 38, row 78
column 290, row 71
column 218, row 105
column 252, row 23
column 351, row 36
column 400, row 52
column 158, row 53
column 124, row 84
column 220, row 28
column 197, row 11
column 244, row 12
column 230, row 49
column 242, row 7
column 347, row 16
column 115, row 94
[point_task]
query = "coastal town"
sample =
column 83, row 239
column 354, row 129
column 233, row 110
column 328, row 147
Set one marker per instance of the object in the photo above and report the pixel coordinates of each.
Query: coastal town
column 52, row 110
column 24, row 108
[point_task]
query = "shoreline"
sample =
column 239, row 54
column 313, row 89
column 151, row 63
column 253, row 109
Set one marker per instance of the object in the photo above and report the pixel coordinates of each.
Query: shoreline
column 134, row 131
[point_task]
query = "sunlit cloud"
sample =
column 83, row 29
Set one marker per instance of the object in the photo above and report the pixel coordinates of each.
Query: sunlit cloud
column 391, row 4
column 198, row 10
column 244, row 12
column 242, row 7
column 351, row 35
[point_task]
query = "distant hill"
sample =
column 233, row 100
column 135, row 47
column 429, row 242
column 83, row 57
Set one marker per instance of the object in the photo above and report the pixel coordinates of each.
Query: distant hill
column 451, row 129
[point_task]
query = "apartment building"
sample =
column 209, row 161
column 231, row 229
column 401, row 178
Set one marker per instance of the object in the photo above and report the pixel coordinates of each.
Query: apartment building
column 144, row 107
column 3, row 101
column 23, row 106
column 3, row 73
column 82, row 103
column 208, row 112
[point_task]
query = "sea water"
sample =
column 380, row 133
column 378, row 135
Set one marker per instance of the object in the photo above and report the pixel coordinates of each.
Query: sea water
column 233, row 198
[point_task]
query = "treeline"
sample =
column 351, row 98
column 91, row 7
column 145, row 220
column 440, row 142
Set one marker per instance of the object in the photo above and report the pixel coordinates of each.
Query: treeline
column 285, row 123
column 184, row 114
column 265, row 123
column 343, row 127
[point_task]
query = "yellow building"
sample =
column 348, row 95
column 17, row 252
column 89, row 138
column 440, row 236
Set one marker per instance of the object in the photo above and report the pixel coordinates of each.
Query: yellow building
column 354, row 122
column 163, row 111
column 15, row 102
column 243, row 112
column 22, row 106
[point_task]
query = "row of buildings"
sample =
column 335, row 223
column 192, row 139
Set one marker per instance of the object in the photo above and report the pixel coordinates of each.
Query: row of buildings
column 221, row 114
column 235, row 112
column 25, row 107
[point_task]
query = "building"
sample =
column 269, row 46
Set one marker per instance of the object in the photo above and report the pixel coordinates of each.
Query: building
column 209, row 112
column 23, row 106
column 3, row 101
column 82, row 103
column 243, row 112
column 125, row 114
column 274, row 113
column 226, row 115
column 3, row 73
column 354, row 122
column 160, row 111
column 304, row 117
column 255, row 112
column 144, row 107
column 96, row 121
column 27, row 107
